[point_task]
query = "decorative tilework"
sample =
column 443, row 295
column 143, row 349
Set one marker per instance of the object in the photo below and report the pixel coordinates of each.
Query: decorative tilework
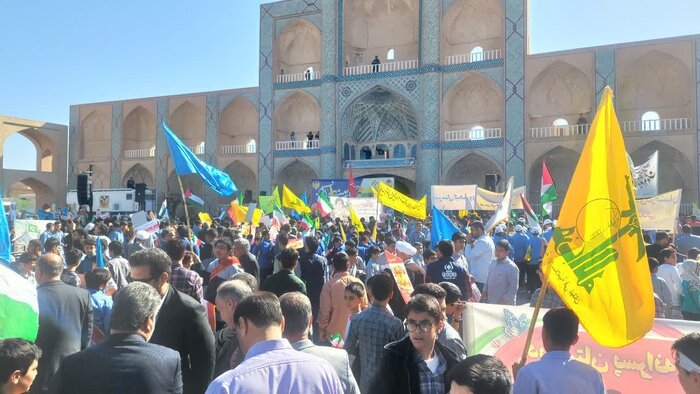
column 514, row 89
column 297, row 85
column 428, row 159
column 210, row 147
column 297, row 153
column 604, row 71
column 359, row 88
column 329, row 28
column 472, row 144
column 162, row 154
column 429, row 32
column 115, row 163
column 328, row 130
column 697, row 103
column 73, row 143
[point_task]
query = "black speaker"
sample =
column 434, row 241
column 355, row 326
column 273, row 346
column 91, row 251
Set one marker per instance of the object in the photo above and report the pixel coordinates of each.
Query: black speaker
column 84, row 189
column 248, row 196
column 491, row 181
column 140, row 194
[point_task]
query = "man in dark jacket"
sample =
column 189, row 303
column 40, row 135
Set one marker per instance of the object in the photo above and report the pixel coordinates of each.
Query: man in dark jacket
column 285, row 281
column 65, row 319
column 241, row 250
column 125, row 362
column 417, row 363
column 314, row 273
column 182, row 322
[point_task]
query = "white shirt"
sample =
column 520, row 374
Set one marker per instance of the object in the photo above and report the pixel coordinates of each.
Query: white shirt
column 479, row 257
column 670, row 274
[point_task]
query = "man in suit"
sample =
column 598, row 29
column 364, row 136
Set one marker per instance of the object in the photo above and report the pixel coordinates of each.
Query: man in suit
column 285, row 281
column 241, row 250
column 296, row 309
column 125, row 362
column 65, row 319
column 181, row 324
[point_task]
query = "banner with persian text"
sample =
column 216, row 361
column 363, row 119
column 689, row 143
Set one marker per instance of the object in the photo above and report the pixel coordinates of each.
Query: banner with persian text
column 488, row 201
column 453, row 198
column 660, row 212
column 646, row 366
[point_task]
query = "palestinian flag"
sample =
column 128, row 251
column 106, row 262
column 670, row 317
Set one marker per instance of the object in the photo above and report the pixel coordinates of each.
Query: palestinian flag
column 191, row 199
column 547, row 192
column 532, row 221
column 323, row 204
column 19, row 308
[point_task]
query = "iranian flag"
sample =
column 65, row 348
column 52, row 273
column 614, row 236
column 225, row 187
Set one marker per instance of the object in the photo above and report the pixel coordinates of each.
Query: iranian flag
column 193, row 199
column 547, row 192
column 19, row 309
column 532, row 221
column 324, row 204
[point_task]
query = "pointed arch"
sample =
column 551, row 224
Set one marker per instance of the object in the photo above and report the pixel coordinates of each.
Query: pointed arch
column 675, row 169
column 298, row 112
column 187, row 121
column 238, row 123
column 20, row 152
column 474, row 100
column 298, row 47
column 561, row 163
column 190, row 181
column 140, row 174
column 32, row 189
column 471, row 169
column 297, row 175
column 96, row 135
column 139, row 129
column 560, row 90
column 380, row 114
column 470, row 23
column 244, row 178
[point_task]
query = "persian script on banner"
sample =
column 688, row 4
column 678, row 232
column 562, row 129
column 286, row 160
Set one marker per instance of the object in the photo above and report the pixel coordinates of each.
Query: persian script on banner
column 660, row 212
column 488, row 201
column 645, row 177
column 646, row 366
column 453, row 198
column 364, row 207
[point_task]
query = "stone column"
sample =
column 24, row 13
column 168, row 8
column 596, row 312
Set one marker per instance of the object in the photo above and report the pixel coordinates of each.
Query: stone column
column 428, row 160
column 266, row 105
column 697, row 113
column 162, row 153
column 330, row 66
column 116, row 161
column 604, row 72
column 73, row 143
column 516, row 49
column 211, row 198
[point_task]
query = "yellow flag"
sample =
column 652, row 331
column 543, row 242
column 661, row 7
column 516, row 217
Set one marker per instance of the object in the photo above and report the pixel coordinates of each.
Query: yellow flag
column 291, row 201
column 356, row 220
column 374, row 232
column 342, row 233
column 392, row 198
column 596, row 259
column 205, row 218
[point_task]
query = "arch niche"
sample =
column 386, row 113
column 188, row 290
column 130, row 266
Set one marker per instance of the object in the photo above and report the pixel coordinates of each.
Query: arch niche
column 96, row 135
column 297, row 175
column 139, row 131
column 238, row 123
column 243, row 177
column 468, row 24
column 675, row 169
column 472, row 169
column 561, row 163
column 559, row 91
column 140, row 174
column 298, row 47
column 20, row 152
column 474, row 100
column 32, row 189
column 299, row 112
column 187, row 122
column 380, row 115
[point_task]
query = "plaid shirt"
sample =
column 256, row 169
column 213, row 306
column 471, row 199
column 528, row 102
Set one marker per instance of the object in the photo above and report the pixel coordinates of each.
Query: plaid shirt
column 551, row 299
column 369, row 331
column 187, row 281
column 431, row 383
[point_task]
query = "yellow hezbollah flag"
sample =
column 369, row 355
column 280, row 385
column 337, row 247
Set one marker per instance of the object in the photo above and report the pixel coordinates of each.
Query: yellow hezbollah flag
column 596, row 259
column 291, row 201
column 205, row 218
column 241, row 213
column 394, row 199
column 356, row 221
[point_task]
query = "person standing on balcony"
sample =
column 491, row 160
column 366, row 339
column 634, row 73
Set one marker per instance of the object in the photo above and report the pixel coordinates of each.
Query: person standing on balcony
column 318, row 135
column 292, row 136
column 375, row 64
column 310, row 137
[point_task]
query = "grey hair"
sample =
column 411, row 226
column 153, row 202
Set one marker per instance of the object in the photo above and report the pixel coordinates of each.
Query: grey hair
column 235, row 290
column 296, row 309
column 242, row 243
column 247, row 278
column 133, row 304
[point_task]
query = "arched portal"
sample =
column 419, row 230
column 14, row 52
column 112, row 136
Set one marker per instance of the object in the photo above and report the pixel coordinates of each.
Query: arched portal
column 96, row 135
column 31, row 194
column 20, row 153
column 297, row 175
column 475, row 100
column 238, row 123
column 472, row 169
column 187, row 122
column 139, row 130
column 298, row 48
column 300, row 113
column 243, row 177
column 561, row 163
column 380, row 115
column 468, row 24
column 559, row 91
column 675, row 169
column 139, row 174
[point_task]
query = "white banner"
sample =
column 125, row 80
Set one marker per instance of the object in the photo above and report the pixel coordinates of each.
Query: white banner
column 365, row 189
column 660, row 212
column 453, row 198
column 364, row 207
column 489, row 201
column 30, row 229
column 646, row 177
column 646, row 366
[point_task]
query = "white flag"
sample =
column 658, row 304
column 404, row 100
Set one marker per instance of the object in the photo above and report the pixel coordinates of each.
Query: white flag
column 503, row 210
column 646, row 177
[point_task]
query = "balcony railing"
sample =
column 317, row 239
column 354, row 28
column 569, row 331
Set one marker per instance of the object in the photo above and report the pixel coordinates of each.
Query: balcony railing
column 380, row 163
column 677, row 124
column 298, row 77
column 559, row 131
column 237, row 149
column 473, row 135
column 197, row 149
column 473, row 57
column 297, row 145
column 383, row 67
column 139, row 153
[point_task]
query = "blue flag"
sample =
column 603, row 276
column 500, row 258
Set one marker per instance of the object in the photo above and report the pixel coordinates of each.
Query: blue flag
column 187, row 162
column 99, row 256
column 441, row 228
column 5, row 241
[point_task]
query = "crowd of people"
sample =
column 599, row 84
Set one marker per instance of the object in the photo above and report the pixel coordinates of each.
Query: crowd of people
column 219, row 308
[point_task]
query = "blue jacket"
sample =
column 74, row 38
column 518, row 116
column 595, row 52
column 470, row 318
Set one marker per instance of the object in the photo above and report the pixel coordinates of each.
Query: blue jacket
column 520, row 242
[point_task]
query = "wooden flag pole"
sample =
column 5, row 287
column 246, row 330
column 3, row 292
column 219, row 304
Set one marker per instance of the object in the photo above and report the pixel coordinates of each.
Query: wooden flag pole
column 187, row 214
column 535, row 313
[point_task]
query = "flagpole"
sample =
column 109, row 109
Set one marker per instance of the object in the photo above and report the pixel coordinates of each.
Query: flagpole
column 535, row 313
column 187, row 213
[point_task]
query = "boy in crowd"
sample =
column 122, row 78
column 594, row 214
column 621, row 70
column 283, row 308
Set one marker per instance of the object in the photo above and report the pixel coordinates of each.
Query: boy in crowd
column 96, row 282
column 19, row 360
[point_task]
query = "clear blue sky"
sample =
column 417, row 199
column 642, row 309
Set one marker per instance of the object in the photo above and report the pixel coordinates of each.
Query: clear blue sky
column 72, row 52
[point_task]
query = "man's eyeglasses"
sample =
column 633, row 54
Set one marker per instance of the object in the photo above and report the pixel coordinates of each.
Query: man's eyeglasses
column 129, row 279
column 424, row 325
